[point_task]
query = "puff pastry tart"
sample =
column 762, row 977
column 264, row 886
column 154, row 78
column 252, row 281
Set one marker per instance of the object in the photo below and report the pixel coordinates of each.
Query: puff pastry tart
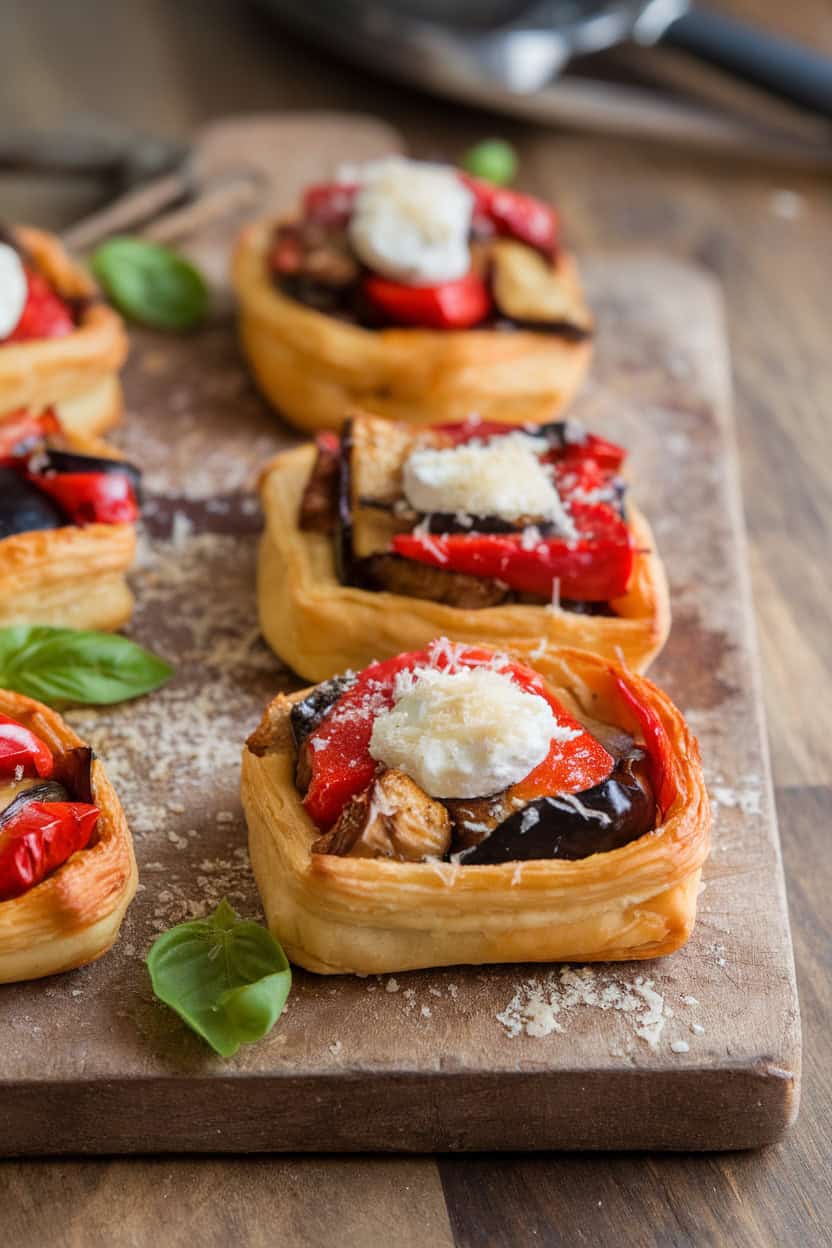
column 67, row 871
column 61, row 346
column 392, row 535
column 67, row 508
column 455, row 805
column 417, row 293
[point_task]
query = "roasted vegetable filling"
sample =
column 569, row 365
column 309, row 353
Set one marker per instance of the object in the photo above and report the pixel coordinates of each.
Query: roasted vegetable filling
column 46, row 485
column 459, row 753
column 474, row 515
column 46, row 808
column 404, row 243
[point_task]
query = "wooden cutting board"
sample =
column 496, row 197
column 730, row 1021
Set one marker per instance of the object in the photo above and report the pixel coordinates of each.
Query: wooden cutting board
column 700, row 1050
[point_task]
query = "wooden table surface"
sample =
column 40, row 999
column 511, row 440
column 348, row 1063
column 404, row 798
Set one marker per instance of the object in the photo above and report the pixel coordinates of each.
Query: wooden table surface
column 168, row 67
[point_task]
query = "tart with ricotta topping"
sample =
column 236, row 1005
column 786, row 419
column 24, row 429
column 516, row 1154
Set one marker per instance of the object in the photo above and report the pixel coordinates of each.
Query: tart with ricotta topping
column 61, row 345
column 67, row 870
column 456, row 805
column 416, row 292
column 67, row 537
column 392, row 535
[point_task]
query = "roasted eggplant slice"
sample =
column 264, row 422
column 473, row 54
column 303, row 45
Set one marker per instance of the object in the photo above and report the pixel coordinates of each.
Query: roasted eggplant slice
column 393, row 818
column 419, row 580
column 307, row 714
column 23, row 508
column 619, row 810
column 49, row 791
column 319, row 504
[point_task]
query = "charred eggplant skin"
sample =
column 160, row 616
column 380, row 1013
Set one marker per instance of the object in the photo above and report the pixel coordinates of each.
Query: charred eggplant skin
column 556, row 828
column 51, row 460
column 305, row 716
column 49, row 791
column 23, row 508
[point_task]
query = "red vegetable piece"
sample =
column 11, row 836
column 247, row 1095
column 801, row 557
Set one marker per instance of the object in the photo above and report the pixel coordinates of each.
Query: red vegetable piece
column 468, row 430
column 603, row 453
column 21, row 748
column 39, row 839
column 594, row 568
column 330, row 203
column 450, row 305
column 22, row 428
column 45, row 315
column 519, row 216
column 91, row 497
column 656, row 742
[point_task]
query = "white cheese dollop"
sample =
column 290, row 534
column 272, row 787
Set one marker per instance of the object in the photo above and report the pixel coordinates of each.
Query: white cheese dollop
column 13, row 289
column 411, row 221
column 503, row 477
column 466, row 733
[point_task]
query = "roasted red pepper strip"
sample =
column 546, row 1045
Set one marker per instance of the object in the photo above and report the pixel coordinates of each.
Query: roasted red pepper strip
column 330, row 203
column 45, row 315
column 20, row 748
column 39, row 839
column 91, row 497
column 656, row 742
column 450, row 305
column 523, row 217
column 339, row 755
column 594, row 568
column 19, row 430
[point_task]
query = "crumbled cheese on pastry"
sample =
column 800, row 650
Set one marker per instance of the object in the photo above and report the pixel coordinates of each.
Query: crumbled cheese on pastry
column 466, row 733
column 13, row 289
column 503, row 477
column 411, row 222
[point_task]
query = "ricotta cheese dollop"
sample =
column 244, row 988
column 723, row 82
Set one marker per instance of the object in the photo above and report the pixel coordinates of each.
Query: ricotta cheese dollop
column 411, row 221
column 503, row 477
column 466, row 733
column 13, row 289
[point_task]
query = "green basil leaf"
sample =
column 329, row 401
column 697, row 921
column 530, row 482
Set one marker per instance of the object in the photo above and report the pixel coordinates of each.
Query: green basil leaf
column 226, row 978
column 65, row 665
column 493, row 160
column 151, row 284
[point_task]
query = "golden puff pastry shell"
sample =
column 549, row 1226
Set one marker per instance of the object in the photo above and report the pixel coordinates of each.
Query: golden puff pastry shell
column 71, row 577
column 319, row 626
column 337, row 915
column 314, row 367
column 76, row 374
column 73, row 916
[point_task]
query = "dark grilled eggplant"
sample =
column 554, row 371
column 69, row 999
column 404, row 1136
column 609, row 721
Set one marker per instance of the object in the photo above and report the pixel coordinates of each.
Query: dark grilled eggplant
column 619, row 810
column 307, row 714
column 52, row 460
column 49, row 791
column 23, row 508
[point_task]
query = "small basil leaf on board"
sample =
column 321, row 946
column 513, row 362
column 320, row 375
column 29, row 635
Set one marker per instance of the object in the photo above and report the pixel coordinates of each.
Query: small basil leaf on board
column 67, row 665
column 493, row 160
column 151, row 284
column 227, row 978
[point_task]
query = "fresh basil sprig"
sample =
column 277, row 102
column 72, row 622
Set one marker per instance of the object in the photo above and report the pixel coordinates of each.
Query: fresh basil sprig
column 69, row 665
column 151, row 284
column 493, row 160
column 226, row 978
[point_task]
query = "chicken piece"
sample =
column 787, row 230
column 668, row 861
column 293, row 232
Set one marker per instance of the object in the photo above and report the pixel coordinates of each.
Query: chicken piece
column 393, row 818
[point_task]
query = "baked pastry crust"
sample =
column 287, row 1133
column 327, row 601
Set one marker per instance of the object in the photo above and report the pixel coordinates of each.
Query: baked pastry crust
column 77, row 374
column 71, row 577
column 319, row 626
column 73, row 916
column 314, row 367
column 337, row 915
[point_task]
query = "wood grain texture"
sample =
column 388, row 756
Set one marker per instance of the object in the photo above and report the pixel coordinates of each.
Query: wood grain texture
column 59, row 60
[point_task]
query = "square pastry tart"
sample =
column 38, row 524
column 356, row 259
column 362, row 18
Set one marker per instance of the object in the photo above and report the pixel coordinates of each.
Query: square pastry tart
column 393, row 535
column 456, row 805
column 67, row 537
column 61, row 345
column 67, row 870
column 416, row 292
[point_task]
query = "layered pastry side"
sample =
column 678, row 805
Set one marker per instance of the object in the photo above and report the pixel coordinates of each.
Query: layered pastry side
column 417, row 293
column 61, row 345
column 67, row 870
column 392, row 535
column 67, row 536
column 456, row 805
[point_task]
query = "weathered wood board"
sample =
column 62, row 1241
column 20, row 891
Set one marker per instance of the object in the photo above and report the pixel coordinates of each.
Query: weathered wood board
column 700, row 1050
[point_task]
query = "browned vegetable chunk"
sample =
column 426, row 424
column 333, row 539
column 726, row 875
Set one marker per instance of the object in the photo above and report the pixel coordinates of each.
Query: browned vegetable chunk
column 393, row 818
column 319, row 504
column 476, row 818
column 419, row 580
column 528, row 288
